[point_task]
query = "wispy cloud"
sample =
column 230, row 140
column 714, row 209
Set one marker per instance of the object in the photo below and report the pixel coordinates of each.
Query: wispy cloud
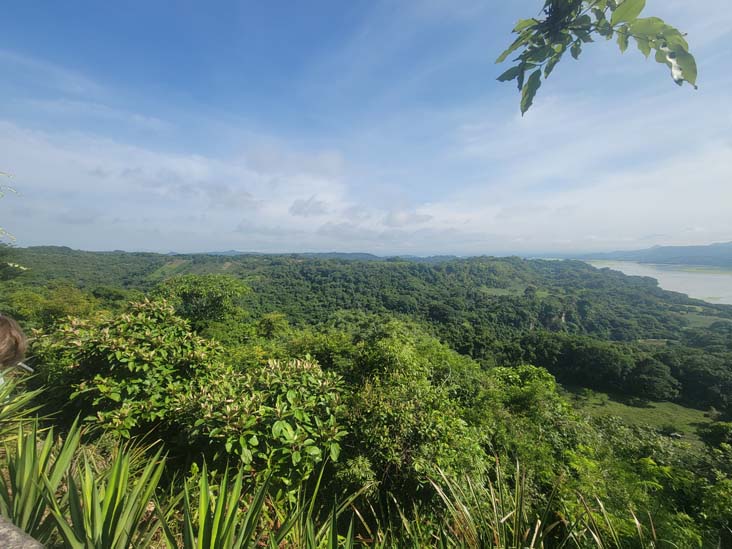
column 51, row 75
column 77, row 110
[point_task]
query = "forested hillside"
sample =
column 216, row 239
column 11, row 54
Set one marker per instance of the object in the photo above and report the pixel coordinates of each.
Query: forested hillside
column 399, row 381
column 590, row 327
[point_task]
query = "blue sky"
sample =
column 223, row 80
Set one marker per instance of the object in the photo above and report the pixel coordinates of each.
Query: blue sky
column 355, row 126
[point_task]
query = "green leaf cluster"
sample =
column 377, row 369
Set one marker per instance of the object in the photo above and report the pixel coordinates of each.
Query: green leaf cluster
column 569, row 25
column 282, row 417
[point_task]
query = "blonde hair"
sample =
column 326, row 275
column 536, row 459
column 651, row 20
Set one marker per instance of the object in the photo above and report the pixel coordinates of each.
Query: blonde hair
column 13, row 343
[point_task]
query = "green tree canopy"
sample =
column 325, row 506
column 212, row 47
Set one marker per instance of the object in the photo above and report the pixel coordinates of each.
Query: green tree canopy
column 202, row 299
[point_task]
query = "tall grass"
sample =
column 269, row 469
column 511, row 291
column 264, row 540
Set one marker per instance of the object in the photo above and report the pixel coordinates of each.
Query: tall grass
column 499, row 515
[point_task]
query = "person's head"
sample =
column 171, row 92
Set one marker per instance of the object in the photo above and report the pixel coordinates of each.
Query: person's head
column 12, row 342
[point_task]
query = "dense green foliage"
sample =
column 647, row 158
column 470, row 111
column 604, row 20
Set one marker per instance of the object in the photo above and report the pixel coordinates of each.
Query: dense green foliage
column 127, row 369
column 278, row 417
column 600, row 329
column 409, row 389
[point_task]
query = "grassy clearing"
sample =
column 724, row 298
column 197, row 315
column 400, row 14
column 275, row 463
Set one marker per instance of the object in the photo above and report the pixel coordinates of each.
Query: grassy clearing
column 657, row 415
column 173, row 267
column 502, row 291
column 697, row 320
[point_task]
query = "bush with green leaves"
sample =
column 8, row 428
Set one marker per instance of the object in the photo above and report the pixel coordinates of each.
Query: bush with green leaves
column 717, row 433
column 42, row 307
column 407, row 428
column 405, row 417
column 125, row 370
column 281, row 417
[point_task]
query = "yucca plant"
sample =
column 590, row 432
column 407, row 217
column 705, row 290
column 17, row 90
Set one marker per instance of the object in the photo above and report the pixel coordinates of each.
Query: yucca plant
column 220, row 521
column 217, row 521
column 310, row 536
column 499, row 515
column 16, row 405
column 326, row 537
column 301, row 527
column 108, row 511
column 35, row 469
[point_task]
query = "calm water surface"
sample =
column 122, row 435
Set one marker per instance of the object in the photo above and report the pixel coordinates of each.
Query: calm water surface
column 710, row 284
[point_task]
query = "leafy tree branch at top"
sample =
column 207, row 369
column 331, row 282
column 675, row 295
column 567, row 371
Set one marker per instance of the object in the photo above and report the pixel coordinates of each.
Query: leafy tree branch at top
column 567, row 25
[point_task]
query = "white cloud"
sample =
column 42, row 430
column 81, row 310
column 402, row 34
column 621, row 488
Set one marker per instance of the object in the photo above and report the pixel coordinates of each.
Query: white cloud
column 404, row 218
column 97, row 193
column 161, row 200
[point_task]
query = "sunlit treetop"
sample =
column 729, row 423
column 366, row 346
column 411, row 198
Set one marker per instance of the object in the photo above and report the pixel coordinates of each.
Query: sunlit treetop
column 567, row 25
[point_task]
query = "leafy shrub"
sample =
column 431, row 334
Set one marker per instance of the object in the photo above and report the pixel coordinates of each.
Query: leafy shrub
column 409, row 428
column 716, row 433
column 406, row 414
column 281, row 417
column 55, row 301
column 126, row 370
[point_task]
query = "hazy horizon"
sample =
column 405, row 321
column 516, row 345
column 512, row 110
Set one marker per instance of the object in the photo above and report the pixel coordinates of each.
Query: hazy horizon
column 525, row 254
column 374, row 126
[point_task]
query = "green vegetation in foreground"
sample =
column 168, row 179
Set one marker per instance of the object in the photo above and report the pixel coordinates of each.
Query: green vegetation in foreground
column 666, row 417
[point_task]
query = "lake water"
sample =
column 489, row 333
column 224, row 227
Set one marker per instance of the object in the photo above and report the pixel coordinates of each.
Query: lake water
column 710, row 284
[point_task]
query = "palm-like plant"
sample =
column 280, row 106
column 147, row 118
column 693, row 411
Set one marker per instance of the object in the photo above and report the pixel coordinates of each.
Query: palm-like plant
column 300, row 526
column 35, row 466
column 217, row 521
column 108, row 511
column 16, row 405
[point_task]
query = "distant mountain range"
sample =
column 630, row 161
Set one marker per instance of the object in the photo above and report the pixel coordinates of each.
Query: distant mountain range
column 712, row 255
column 344, row 256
